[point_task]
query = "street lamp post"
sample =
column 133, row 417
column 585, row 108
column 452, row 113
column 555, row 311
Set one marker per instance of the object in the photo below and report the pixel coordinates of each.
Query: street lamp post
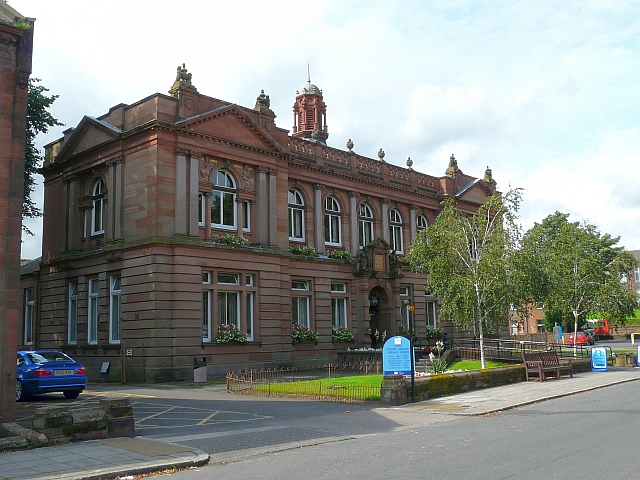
column 413, row 373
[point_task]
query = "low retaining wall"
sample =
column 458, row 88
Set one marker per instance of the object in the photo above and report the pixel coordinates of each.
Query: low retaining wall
column 396, row 390
column 111, row 418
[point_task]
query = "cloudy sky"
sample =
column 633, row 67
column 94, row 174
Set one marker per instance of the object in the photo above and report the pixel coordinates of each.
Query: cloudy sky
column 545, row 93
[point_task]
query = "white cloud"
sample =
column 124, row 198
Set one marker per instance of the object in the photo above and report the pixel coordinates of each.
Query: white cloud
column 544, row 93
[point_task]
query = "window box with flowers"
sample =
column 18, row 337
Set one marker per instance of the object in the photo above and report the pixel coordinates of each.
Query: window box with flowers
column 230, row 239
column 230, row 334
column 301, row 334
column 342, row 335
column 433, row 332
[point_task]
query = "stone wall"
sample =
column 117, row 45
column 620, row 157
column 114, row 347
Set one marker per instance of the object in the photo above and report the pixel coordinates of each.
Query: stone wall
column 397, row 390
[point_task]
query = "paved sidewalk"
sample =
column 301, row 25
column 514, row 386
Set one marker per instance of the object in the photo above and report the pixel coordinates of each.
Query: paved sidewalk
column 107, row 459
column 98, row 459
column 489, row 400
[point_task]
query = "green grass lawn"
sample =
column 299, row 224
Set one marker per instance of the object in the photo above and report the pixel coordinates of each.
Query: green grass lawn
column 361, row 387
column 475, row 365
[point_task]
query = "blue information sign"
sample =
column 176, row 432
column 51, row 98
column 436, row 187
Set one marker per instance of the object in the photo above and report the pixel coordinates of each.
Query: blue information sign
column 396, row 356
column 598, row 359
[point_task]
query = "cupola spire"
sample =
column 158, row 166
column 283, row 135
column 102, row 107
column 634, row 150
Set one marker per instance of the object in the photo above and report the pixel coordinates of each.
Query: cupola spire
column 310, row 113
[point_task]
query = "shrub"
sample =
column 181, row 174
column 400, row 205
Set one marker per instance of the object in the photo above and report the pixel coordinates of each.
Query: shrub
column 341, row 334
column 303, row 334
column 229, row 333
column 433, row 332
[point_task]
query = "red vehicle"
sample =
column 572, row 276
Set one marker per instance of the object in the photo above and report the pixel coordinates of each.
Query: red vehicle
column 582, row 339
column 600, row 326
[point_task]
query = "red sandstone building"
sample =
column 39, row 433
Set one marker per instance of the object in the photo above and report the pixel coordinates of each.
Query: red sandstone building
column 16, row 47
column 138, row 201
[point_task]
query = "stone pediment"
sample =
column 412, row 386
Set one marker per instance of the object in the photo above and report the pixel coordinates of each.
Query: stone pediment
column 89, row 133
column 379, row 245
column 232, row 124
column 477, row 192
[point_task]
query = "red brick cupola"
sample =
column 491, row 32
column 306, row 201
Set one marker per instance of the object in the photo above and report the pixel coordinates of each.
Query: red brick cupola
column 310, row 114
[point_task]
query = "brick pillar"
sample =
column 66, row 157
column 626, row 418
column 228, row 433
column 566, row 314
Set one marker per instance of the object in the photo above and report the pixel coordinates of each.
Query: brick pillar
column 16, row 46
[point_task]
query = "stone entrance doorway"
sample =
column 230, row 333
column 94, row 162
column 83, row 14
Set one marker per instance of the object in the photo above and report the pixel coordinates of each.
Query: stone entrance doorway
column 379, row 316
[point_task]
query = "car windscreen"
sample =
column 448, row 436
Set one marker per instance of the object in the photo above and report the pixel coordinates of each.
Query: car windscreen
column 42, row 357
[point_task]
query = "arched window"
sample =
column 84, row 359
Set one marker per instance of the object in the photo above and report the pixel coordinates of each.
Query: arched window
column 332, row 222
column 97, row 211
column 421, row 223
column 223, row 200
column 395, row 231
column 365, row 219
column 296, row 216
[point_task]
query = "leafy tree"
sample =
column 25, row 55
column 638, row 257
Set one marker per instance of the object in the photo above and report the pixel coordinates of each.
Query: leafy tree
column 578, row 270
column 38, row 121
column 469, row 261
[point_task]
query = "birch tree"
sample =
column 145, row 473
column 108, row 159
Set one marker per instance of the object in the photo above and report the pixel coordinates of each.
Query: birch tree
column 468, row 259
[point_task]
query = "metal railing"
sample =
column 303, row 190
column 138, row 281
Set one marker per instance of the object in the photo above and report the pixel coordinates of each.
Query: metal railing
column 505, row 350
column 316, row 382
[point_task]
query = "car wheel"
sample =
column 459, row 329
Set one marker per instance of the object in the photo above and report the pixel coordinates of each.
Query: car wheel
column 71, row 394
column 21, row 394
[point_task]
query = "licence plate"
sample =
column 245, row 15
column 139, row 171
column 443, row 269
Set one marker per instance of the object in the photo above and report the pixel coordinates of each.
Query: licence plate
column 64, row 372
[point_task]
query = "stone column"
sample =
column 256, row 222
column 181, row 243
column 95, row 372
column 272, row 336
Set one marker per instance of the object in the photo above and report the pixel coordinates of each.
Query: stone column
column 318, row 218
column 262, row 218
column 194, row 229
column 385, row 220
column 113, row 217
column 413, row 231
column 239, row 216
column 273, row 208
column 353, row 223
column 73, row 215
column 180, row 205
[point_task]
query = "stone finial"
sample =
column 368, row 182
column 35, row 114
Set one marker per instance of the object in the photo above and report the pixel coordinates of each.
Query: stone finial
column 263, row 103
column 453, row 166
column 409, row 162
column 183, row 80
column 488, row 175
column 349, row 145
column 381, row 155
column 315, row 135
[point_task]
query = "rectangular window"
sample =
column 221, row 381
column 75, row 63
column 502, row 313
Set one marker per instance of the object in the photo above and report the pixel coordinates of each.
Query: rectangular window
column 249, row 315
column 296, row 227
column 115, row 309
column 229, row 278
column 72, row 321
column 338, row 305
column 246, row 216
column 228, row 301
column 92, row 320
column 201, row 209
column 229, row 309
column 636, row 274
column 300, row 311
column 300, row 304
column 29, row 312
column 206, row 315
column 431, row 314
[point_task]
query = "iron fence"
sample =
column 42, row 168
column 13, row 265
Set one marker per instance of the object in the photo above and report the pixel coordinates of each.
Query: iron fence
column 510, row 350
column 316, row 382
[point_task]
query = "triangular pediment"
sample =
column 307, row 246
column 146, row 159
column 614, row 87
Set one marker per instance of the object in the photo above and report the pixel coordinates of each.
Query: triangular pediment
column 477, row 192
column 89, row 133
column 232, row 124
column 379, row 244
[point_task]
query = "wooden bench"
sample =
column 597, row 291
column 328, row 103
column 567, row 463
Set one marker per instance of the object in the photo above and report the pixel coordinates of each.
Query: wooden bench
column 542, row 362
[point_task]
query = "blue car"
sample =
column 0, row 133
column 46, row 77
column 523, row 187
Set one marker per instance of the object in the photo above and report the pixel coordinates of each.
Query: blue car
column 43, row 371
